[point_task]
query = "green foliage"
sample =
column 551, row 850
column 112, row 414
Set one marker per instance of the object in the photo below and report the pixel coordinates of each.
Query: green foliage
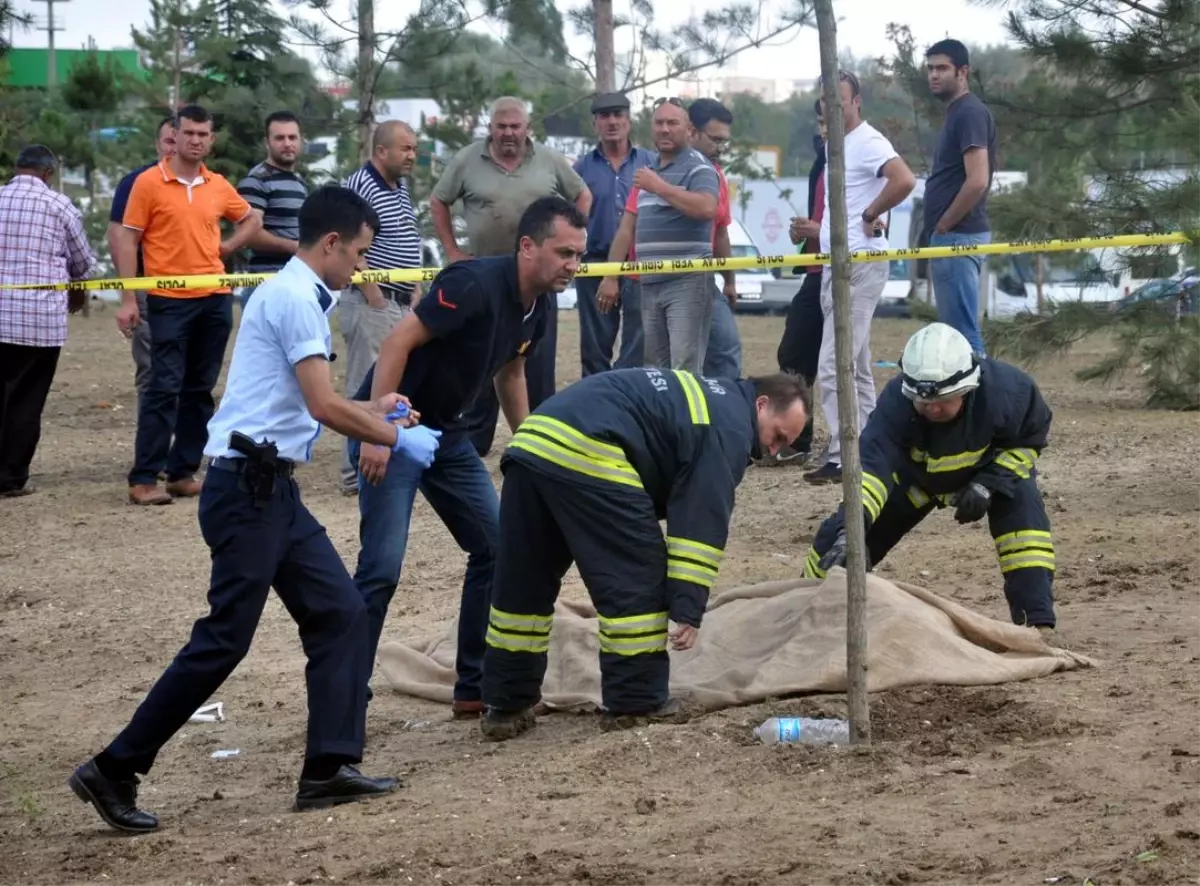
column 1148, row 339
column 1113, row 97
column 232, row 57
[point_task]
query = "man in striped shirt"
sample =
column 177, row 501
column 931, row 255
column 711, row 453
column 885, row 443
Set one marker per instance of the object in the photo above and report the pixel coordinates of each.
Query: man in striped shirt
column 368, row 311
column 274, row 189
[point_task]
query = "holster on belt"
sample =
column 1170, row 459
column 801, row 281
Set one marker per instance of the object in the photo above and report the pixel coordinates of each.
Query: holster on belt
column 262, row 466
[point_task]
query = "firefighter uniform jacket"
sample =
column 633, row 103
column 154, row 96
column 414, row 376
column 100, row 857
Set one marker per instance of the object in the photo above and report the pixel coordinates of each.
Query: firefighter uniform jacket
column 995, row 441
column 683, row 440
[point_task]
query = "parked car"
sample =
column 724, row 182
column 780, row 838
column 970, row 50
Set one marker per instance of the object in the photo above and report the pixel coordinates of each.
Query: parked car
column 1179, row 294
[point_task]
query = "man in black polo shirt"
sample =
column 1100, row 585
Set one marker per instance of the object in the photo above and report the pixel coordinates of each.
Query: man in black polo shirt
column 473, row 328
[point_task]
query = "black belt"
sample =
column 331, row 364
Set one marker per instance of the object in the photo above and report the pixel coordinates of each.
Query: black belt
column 283, row 467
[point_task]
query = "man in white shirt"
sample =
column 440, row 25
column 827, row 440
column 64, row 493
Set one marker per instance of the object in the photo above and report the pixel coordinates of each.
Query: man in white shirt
column 877, row 179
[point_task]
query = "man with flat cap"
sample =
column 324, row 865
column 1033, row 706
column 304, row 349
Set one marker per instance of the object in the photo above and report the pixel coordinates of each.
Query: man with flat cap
column 608, row 171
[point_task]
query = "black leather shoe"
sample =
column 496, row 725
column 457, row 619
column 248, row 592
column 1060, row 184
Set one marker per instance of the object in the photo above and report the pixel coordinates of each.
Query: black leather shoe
column 116, row 801
column 347, row 786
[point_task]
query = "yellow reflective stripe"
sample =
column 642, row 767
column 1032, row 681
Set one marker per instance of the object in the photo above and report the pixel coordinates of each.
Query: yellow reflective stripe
column 564, row 433
column 690, row 572
column 812, row 565
column 634, row 624
column 1021, row 538
column 534, row 623
column 1027, row 560
column 517, row 642
column 634, row 645
column 1025, row 549
column 956, row 462
column 917, row 496
column 874, row 494
column 697, row 404
column 572, row 461
column 917, row 454
column 694, row 550
column 1019, row 461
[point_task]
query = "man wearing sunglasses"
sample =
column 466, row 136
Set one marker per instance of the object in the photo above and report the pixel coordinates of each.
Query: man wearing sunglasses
column 676, row 207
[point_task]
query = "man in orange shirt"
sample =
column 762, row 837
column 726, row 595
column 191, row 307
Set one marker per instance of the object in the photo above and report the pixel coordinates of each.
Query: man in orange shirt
column 174, row 214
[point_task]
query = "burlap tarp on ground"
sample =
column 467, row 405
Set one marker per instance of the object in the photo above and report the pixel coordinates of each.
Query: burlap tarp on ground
column 774, row 639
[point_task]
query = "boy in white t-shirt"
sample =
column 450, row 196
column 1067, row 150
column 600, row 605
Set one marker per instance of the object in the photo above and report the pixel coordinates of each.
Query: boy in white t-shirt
column 877, row 179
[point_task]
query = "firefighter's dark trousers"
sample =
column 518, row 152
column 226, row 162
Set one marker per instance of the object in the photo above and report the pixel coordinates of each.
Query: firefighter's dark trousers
column 613, row 536
column 1018, row 524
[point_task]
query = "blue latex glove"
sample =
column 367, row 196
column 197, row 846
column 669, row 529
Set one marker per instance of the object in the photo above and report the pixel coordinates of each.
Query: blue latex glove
column 401, row 411
column 418, row 442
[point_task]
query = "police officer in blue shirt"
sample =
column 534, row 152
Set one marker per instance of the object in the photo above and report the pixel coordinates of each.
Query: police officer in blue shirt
column 278, row 394
column 470, row 331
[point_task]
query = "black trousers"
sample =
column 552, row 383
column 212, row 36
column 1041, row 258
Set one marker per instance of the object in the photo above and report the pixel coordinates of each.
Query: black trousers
column 482, row 415
column 801, row 343
column 613, row 536
column 254, row 548
column 26, row 374
column 1019, row 526
column 188, row 338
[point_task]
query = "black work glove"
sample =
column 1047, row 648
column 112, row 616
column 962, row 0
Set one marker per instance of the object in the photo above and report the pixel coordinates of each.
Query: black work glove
column 972, row 503
column 836, row 555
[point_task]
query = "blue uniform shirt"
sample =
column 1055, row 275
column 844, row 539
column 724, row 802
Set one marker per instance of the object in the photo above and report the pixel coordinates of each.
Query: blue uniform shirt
column 610, row 189
column 262, row 397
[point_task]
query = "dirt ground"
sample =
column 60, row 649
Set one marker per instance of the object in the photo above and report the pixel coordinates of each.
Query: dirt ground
column 1090, row 775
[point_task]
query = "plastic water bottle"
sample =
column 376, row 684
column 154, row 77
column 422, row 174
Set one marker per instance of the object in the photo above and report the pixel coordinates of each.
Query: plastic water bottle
column 803, row 730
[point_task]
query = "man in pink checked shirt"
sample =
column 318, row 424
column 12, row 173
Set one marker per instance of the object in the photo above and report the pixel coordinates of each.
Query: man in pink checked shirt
column 41, row 241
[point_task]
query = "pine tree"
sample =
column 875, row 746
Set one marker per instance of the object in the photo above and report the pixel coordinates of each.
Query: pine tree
column 1112, row 96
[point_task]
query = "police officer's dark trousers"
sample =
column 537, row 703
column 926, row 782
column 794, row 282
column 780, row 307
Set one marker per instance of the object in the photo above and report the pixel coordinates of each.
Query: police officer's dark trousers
column 253, row 548
column 1019, row 527
column 613, row 536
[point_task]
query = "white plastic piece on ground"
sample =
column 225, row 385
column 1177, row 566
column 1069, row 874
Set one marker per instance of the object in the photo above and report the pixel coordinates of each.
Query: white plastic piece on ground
column 213, row 712
column 222, row 755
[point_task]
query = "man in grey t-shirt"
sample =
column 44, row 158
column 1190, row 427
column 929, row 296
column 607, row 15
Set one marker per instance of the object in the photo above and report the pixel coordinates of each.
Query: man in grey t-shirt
column 676, row 208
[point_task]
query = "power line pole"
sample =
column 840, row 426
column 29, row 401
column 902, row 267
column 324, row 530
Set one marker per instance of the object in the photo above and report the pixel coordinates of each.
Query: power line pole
column 51, row 62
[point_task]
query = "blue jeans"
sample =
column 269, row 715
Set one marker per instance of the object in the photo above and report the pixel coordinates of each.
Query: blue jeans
column 956, row 285
column 460, row 489
column 188, row 338
column 598, row 332
column 723, row 359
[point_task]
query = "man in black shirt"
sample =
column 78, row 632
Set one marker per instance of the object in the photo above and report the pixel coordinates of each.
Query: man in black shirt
column 964, row 162
column 478, row 321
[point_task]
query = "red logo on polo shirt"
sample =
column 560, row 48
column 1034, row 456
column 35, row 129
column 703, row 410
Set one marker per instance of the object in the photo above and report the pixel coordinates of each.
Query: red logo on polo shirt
column 442, row 300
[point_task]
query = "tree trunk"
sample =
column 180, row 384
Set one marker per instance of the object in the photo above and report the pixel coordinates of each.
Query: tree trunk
column 366, row 77
column 606, row 58
column 856, row 567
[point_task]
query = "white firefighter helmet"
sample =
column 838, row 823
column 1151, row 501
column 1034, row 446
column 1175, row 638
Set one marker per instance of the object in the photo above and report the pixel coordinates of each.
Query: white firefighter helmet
column 938, row 363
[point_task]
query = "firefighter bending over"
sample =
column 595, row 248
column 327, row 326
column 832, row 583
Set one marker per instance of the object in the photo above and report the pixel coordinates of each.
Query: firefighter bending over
column 956, row 430
column 587, row 477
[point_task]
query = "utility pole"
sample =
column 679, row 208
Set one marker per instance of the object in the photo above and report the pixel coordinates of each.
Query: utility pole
column 51, row 61
column 839, row 248
column 606, row 57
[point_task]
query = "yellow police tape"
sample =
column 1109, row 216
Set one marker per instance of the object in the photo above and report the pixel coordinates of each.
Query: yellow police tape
column 672, row 266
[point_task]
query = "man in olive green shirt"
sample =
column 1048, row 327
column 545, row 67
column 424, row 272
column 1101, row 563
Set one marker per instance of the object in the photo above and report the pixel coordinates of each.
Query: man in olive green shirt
column 496, row 180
